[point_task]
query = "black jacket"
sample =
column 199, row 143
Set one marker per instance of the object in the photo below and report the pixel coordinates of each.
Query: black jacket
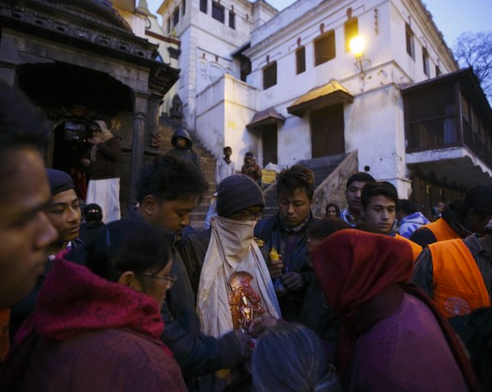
column 271, row 231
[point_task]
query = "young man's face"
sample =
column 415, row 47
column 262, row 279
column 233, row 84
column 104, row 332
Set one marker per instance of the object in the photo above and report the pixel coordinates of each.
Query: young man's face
column 25, row 230
column 64, row 214
column 173, row 215
column 180, row 142
column 380, row 214
column 352, row 194
column 227, row 153
column 331, row 211
column 294, row 207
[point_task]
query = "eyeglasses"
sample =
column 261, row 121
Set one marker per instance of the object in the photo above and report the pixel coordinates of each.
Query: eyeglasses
column 170, row 280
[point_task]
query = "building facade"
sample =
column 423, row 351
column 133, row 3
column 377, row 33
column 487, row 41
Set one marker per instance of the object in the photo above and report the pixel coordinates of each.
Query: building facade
column 288, row 87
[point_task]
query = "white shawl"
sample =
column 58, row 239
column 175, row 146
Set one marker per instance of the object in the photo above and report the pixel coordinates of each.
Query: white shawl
column 231, row 249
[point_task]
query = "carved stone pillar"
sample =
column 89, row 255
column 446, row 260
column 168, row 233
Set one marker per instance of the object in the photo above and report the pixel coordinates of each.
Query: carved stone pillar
column 140, row 101
column 154, row 103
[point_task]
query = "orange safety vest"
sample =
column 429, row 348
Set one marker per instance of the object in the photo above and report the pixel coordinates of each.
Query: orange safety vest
column 458, row 284
column 416, row 248
column 442, row 230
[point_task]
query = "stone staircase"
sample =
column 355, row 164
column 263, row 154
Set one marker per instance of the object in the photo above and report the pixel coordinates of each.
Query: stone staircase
column 167, row 127
column 322, row 167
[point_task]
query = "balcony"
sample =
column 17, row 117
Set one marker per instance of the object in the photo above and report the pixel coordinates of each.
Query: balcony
column 448, row 129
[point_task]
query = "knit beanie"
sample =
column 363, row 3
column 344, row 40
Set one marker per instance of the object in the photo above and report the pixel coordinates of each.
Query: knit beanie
column 249, row 155
column 59, row 181
column 236, row 193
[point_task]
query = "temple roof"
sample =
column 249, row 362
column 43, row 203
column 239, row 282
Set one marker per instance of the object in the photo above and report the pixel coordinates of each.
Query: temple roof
column 101, row 9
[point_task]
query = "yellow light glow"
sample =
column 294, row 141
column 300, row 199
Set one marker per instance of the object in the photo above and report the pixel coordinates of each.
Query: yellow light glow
column 357, row 45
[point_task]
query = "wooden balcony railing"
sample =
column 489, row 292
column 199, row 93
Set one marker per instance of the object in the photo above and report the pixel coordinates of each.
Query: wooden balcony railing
column 442, row 132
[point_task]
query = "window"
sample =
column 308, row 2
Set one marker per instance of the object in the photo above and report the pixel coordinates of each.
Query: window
column 169, row 26
column 218, row 12
column 203, row 6
column 183, row 7
column 232, row 20
column 351, row 31
column 324, row 48
column 300, row 60
column 410, row 41
column 176, row 17
column 425, row 61
column 438, row 71
column 270, row 75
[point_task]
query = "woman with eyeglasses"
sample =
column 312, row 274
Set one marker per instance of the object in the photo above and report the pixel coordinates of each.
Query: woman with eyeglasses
column 97, row 324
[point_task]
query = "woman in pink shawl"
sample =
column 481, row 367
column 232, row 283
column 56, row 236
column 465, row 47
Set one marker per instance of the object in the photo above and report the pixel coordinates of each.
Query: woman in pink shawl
column 97, row 327
column 392, row 338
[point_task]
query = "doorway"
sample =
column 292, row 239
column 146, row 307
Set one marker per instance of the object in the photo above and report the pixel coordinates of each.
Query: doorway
column 270, row 144
column 327, row 131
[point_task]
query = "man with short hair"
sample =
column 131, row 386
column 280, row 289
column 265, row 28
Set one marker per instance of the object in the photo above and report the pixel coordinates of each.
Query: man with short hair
column 459, row 219
column 225, row 167
column 378, row 211
column 167, row 191
column 355, row 183
column 457, row 273
column 24, row 196
column 286, row 232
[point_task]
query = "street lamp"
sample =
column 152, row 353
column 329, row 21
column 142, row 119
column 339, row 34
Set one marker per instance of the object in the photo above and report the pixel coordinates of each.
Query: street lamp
column 357, row 45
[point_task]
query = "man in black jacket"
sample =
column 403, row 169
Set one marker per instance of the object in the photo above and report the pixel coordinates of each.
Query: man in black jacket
column 167, row 192
column 286, row 232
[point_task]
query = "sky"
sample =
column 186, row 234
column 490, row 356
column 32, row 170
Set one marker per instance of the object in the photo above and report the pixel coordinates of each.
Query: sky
column 452, row 17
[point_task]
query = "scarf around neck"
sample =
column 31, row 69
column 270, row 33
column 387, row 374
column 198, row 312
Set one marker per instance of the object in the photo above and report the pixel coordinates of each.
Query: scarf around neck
column 231, row 249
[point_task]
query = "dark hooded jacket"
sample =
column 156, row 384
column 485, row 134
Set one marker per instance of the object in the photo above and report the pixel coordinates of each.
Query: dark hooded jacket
column 187, row 153
column 89, row 334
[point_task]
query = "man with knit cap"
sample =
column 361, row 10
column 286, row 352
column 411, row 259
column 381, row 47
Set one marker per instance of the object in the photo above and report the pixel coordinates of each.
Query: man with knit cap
column 101, row 161
column 64, row 214
column 231, row 250
column 64, row 211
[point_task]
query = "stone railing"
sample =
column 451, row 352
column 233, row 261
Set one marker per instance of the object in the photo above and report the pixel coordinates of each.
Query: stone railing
column 332, row 189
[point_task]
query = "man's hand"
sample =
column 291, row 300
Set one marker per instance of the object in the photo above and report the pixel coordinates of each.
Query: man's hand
column 95, row 140
column 244, row 339
column 86, row 162
column 261, row 324
column 275, row 269
column 293, row 281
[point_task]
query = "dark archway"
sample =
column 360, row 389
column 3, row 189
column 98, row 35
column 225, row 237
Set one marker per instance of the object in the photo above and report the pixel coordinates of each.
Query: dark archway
column 64, row 85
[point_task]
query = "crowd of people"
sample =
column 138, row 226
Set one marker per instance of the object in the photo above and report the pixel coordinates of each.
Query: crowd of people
column 355, row 301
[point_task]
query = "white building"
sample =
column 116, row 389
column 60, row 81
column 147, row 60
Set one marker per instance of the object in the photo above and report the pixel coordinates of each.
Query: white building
column 287, row 87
